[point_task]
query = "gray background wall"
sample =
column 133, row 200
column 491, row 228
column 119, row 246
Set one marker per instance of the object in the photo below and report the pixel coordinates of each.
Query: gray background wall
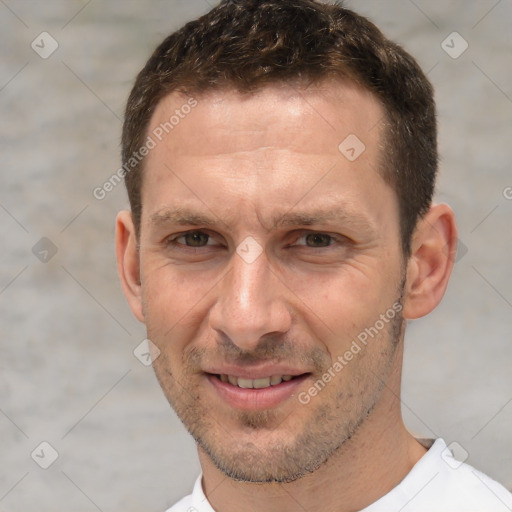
column 68, row 375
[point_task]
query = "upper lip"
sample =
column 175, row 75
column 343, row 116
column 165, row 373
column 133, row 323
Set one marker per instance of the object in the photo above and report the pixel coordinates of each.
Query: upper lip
column 256, row 371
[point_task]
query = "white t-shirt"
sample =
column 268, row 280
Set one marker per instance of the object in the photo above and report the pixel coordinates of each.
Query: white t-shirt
column 436, row 483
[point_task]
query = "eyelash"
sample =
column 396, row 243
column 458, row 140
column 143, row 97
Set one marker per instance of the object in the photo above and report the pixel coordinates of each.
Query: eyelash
column 172, row 240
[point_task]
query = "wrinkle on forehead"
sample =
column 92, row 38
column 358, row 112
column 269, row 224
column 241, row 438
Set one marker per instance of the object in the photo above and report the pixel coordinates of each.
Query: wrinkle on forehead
column 273, row 107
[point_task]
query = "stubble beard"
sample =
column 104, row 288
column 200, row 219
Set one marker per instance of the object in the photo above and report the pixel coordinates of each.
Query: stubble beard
column 284, row 459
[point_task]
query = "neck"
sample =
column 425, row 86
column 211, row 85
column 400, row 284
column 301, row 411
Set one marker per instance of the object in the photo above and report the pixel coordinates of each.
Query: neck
column 374, row 461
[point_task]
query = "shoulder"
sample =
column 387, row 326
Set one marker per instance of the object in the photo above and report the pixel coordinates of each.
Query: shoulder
column 440, row 482
column 467, row 487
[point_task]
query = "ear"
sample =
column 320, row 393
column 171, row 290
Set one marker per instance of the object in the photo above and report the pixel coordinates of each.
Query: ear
column 433, row 251
column 128, row 264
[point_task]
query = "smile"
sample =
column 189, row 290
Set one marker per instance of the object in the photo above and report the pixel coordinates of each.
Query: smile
column 255, row 394
column 261, row 383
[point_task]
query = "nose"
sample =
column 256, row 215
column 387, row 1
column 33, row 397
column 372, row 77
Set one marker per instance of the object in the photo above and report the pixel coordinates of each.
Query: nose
column 251, row 303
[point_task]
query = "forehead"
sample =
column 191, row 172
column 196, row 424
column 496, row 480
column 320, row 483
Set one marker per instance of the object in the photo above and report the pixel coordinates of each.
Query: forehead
column 266, row 152
column 326, row 112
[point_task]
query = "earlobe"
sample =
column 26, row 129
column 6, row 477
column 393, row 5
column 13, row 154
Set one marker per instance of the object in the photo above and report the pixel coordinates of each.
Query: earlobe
column 128, row 263
column 433, row 250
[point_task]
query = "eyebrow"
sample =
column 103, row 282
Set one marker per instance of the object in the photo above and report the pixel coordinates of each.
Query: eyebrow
column 322, row 216
column 188, row 217
column 182, row 217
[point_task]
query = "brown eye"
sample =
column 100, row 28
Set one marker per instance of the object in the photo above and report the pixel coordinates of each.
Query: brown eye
column 318, row 240
column 195, row 239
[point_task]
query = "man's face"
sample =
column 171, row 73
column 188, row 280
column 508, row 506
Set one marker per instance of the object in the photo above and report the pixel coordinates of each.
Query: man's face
column 265, row 252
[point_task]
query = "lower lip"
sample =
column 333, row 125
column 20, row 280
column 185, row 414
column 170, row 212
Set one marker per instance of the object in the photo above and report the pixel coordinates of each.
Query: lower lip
column 256, row 399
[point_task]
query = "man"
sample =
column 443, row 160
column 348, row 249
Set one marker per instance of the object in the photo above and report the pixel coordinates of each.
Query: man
column 280, row 160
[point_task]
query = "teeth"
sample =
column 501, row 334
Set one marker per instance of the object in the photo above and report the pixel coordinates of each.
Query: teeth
column 275, row 379
column 245, row 383
column 264, row 382
column 260, row 383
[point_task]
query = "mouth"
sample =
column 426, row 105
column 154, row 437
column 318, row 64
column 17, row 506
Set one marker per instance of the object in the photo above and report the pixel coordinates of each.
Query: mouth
column 262, row 383
column 255, row 394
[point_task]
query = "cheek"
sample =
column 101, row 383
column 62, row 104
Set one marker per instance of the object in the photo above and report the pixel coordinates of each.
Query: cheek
column 342, row 300
column 345, row 306
column 174, row 307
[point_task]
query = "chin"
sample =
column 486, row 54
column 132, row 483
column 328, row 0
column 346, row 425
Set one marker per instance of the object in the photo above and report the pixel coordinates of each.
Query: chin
column 253, row 466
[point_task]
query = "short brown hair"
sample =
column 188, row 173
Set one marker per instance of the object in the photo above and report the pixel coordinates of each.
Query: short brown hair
column 248, row 44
